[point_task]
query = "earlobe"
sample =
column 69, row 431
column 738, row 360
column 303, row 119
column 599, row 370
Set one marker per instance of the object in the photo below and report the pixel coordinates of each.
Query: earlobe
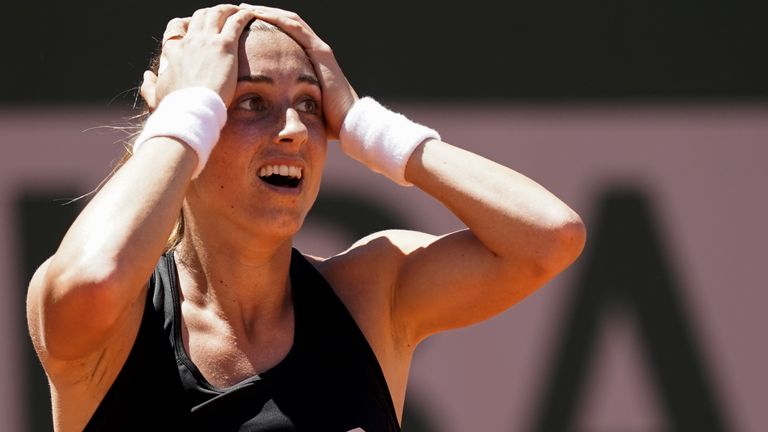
column 148, row 90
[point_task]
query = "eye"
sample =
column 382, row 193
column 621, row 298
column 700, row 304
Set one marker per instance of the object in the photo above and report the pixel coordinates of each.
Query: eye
column 252, row 103
column 308, row 105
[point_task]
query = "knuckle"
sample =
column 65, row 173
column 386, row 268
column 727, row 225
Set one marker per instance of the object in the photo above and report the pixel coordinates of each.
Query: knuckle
column 242, row 16
column 223, row 44
column 223, row 8
column 293, row 25
column 321, row 49
column 174, row 22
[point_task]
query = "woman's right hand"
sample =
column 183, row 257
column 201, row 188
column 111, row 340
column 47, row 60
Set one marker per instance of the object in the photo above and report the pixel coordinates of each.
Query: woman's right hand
column 200, row 51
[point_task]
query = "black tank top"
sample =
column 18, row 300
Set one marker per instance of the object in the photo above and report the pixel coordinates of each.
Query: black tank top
column 329, row 381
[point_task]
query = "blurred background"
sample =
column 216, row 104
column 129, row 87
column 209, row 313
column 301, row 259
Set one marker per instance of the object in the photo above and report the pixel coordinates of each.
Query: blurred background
column 649, row 118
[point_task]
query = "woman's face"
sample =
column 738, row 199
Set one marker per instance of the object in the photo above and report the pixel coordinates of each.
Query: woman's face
column 264, row 173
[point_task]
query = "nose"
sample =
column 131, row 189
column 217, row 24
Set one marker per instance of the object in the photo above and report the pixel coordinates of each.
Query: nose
column 294, row 131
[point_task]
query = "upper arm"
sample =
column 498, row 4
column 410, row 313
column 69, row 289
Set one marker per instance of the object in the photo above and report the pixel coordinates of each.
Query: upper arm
column 444, row 282
column 72, row 321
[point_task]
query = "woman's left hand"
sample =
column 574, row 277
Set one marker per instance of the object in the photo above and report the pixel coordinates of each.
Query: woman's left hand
column 338, row 94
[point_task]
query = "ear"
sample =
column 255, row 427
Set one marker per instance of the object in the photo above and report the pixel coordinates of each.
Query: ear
column 148, row 88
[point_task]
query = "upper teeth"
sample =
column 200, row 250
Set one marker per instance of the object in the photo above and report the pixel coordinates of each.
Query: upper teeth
column 283, row 170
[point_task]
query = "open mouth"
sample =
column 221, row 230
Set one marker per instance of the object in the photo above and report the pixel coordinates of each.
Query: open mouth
column 285, row 176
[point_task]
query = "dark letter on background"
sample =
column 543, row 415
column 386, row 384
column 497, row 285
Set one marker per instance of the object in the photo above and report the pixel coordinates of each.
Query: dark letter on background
column 626, row 268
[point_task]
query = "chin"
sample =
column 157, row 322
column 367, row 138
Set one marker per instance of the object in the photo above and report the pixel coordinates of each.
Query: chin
column 279, row 224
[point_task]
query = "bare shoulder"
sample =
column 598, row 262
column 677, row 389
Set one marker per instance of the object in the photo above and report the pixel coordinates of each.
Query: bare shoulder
column 374, row 257
column 78, row 385
column 55, row 369
column 33, row 308
column 365, row 277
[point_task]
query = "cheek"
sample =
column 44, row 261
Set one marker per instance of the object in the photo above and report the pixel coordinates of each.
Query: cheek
column 237, row 138
column 241, row 133
column 319, row 152
column 317, row 140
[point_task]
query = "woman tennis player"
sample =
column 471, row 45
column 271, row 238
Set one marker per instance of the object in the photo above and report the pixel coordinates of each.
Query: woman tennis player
column 176, row 300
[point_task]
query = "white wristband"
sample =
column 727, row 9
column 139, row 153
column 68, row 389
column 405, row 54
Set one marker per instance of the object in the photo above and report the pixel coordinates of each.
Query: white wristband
column 381, row 139
column 194, row 115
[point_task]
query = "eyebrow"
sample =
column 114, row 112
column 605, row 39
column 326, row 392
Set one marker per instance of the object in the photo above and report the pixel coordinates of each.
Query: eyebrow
column 261, row 78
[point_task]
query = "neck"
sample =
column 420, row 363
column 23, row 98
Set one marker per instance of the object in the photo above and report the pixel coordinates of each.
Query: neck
column 245, row 282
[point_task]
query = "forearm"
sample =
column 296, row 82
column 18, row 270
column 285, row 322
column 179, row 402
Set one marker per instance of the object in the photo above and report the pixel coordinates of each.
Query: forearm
column 119, row 236
column 510, row 214
column 79, row 296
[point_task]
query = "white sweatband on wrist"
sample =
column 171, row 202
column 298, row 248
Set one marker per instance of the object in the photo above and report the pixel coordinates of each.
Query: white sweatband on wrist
column 381, row 139
column 194, row 115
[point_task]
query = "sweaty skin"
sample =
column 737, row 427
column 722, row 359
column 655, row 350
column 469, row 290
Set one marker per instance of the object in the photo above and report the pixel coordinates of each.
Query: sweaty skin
column 285, row 96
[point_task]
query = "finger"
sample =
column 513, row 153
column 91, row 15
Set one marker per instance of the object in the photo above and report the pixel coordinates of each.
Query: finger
column 236, row 23
column 287, row 22
column 162, row 65
column 197, row 22
column 271, row 11
column 148, row 89
column 276, row 11
column 218, row 15
column 176, row 28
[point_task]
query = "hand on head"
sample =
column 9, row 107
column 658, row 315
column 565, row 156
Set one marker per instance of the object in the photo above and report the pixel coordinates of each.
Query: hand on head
column 338, row 94
column 202, row 51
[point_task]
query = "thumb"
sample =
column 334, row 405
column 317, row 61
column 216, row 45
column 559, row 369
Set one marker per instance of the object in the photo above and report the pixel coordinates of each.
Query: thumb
column 148, row 90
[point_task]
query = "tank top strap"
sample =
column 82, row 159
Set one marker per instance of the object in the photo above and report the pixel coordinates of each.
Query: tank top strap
column 164, row 280
column 330, row 327
column 331, row 377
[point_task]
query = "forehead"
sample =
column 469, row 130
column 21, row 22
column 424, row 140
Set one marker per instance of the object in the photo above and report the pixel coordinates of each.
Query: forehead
column 272, row 53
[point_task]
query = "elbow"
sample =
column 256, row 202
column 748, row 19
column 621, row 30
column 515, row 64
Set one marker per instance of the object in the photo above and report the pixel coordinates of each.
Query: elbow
column 565, row 242
column 80, row 302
